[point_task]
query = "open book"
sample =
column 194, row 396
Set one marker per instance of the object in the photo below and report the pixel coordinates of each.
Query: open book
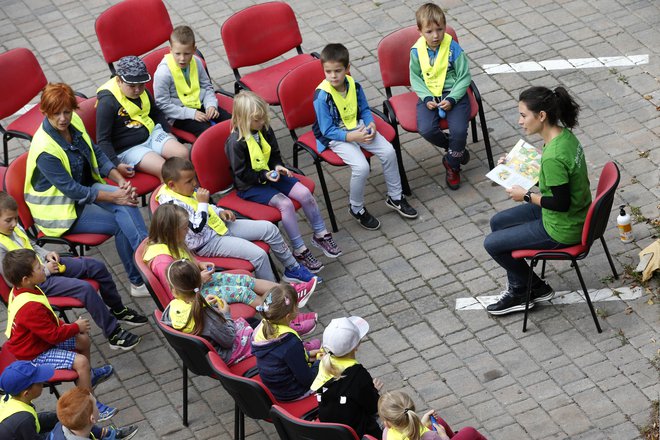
column 522, row 167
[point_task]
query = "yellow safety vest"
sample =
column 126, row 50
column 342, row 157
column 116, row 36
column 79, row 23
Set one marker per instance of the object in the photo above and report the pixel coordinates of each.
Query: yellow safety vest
column 434, row 76
column 188, row 93
column 259, row 152
column 54, row 212
column 11, row 245
column 348, row 105
column 323, row 376
column 214, row 220
column 16, row 303
column 13, row 406
column 154, row 250
column 180, row 315
column 393, row 434
column 137, row 114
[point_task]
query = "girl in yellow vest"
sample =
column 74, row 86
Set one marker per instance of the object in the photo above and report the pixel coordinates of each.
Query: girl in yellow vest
column 260, row 176
column 397, row 411
column 167, row 234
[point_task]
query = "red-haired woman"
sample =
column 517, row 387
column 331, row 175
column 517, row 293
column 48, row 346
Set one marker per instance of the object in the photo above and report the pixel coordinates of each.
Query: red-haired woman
column 64, row 187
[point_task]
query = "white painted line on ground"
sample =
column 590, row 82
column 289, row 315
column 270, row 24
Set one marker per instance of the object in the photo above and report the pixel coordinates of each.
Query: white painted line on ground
column 565, row 297
column 24, row 109
column 569, row 64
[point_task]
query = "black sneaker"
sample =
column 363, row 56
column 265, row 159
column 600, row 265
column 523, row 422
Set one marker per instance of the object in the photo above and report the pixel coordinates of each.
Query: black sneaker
column 542, row 292
column 129, row 317
column 466, row 157
column 367, row 221
column 402, row 207
column 123, row 340
column 508, row 302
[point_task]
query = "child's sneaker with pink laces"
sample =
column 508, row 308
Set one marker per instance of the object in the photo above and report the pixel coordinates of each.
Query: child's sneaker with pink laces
column 309, row 261
column 311, row 316
column 314, row 344
column 327, row 244
column 305, row 290
column 302, row 327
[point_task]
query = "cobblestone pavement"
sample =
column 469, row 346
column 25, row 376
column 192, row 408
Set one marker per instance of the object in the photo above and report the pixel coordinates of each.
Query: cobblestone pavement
column 561, row 379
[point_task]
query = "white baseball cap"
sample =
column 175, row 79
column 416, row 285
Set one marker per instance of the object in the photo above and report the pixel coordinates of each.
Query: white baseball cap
column 343, row 335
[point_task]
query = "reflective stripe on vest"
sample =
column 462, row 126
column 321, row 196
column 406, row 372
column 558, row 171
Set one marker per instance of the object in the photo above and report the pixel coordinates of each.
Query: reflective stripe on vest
column 11, row 245
column 213, row 221
column 188, row 93
column 434, row 76
column 13, row 406
column 154, row 250
column 259, row 152
column 348, row 105
column 137, row 114
column 53, row 212
column 16, row 303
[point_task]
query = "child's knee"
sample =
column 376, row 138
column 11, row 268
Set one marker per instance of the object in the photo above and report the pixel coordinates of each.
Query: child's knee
column 360, row 169
column 80, row 363
column 83, row 341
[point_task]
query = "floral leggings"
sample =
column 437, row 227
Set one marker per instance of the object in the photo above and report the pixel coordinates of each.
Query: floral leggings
column 231, row 288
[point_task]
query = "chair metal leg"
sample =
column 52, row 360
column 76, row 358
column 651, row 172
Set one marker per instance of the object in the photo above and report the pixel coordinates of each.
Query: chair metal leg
column 532, row 265
column 543, row 270
column 609, row 258
column 5, row 149
column 586, row 296
column 53, row 390
column 185, row 396
column 473, row 126
column 237, row 422
column 484, row 132
column 405, row 186
column 326, row 196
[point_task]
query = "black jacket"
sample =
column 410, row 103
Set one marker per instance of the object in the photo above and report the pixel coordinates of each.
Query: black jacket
column 239, row 160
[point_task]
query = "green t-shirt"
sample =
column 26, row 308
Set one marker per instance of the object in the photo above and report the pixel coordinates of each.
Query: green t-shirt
column 563, row 162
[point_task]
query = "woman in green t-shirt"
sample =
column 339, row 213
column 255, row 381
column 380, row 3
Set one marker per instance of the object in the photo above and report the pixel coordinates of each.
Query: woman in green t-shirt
column 553, row 217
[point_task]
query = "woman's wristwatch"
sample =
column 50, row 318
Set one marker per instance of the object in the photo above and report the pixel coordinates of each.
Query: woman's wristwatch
column 527, row 198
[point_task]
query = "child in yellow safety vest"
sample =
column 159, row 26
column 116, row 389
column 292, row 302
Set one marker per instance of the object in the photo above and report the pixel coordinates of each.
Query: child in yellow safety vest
column 182, row 88
column 261, row 177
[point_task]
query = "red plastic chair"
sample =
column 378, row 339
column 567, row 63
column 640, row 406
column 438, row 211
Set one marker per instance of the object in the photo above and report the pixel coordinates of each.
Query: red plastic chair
column 256, row 35
column 162, row 295
column 60, row 376
column 290, row 427
column 14, row 182
column 594, row 228
column 193, row 352
column 214, row 173
column 253, row 399
column 394, row 62
column 296, row 94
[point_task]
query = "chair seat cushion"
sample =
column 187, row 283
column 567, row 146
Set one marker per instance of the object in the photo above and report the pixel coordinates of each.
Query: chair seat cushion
column 385, row 129
column 243, row 366
column 405, row 109
column 65, row 302
column 264, row 82
column 183, row 135
column 64, row 376
column 235, row 263
column 551, row 254
column 28, row 123
column 327, row 155
column 86, row 239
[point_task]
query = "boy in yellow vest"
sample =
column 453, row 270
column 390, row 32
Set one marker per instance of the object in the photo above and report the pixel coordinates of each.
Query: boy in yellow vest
column 36, row 334
column 182, row 88
column 440, row 76
column 130, row 129
column 345, row 124
column 22, row 381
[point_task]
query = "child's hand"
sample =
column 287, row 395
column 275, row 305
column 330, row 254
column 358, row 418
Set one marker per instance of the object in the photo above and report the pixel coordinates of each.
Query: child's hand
column 83, row 324
column 371, row 131
column 445, row 105
column 282, row 170
column 228, row 216
column 203, row 195
column 201, row 117
column 272, row 176
column 361, row 136
column 431, row 105
column 52, row 266
column 312, row 354
column 206, row 275
column 126, row 170
column 212, row 113
column 378, row 384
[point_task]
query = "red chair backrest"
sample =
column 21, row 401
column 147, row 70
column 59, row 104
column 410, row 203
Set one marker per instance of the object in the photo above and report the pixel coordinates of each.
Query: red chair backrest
column 599, row 212
column 260, row 33
column 87, row 112
column 132, row 27
column 21, row 79
column 5, row 290
column 296, row 94
column 394, row 55
column 291, row 427
column 14, row 185
column 160, row 294
column 209, row 158
column 152, row 60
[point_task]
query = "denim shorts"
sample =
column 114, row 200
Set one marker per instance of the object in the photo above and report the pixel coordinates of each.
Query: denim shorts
column 155, row 142
column 263, row 193
column 60, row 357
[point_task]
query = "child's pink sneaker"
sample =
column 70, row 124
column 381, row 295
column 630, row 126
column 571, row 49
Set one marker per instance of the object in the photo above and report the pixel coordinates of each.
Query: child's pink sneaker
column 305, row 290
column 303, row 326
column 307, row 316
column 314, row 344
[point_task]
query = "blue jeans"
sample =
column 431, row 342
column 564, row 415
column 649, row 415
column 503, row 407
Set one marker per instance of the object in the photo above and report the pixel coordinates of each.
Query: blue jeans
column 516, row 228
column 124, row 222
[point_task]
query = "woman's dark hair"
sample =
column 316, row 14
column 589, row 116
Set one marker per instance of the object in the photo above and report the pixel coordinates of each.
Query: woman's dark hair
column 557, row 104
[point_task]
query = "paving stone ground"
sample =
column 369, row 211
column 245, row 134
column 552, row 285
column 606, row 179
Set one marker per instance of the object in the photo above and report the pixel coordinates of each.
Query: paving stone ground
column 561, row 379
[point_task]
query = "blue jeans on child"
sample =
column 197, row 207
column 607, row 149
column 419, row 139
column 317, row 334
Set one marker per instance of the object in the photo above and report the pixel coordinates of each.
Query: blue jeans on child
column 124, row 222
column 516, row 228
column 458, row 119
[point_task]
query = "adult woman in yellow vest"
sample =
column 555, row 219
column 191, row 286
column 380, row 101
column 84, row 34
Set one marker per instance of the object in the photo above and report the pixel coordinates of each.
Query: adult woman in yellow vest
column 130, row 129
column 64, row 188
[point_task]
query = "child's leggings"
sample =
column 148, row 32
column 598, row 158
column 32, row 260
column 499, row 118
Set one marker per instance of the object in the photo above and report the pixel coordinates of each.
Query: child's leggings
column 284, row 203
column 231, row 288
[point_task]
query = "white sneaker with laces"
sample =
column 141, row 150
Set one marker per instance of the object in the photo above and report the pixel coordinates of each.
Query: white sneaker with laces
column 139, row 291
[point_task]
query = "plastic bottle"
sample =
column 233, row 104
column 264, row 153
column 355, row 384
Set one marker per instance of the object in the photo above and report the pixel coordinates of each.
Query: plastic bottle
column 625, row 226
